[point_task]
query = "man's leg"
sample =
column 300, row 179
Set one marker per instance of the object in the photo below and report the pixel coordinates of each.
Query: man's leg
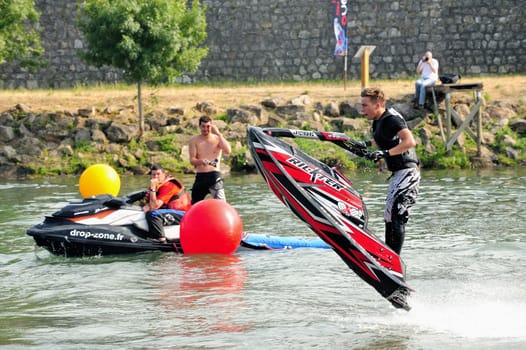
column 155, row 224
column 218, row 189
column 423, row 90
column 418, row 85
column 396, row 235
column 401, row 195
column 199, row 189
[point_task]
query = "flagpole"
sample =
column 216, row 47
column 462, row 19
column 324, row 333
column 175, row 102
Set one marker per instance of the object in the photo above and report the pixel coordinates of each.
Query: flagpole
column 345, row 73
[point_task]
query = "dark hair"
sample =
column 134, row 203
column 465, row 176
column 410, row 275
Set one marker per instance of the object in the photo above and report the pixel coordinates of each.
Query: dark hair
column 204, row 119
column 156, row 167
column 375, row 94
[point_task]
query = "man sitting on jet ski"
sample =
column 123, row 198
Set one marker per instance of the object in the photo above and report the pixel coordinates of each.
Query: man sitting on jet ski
column 165, row 202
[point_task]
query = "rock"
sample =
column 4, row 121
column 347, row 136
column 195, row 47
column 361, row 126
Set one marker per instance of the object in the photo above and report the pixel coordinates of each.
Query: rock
column 487, row 158
column 173, row 121
column 66, row 150
column 272, row 102
column 176, row 110
column 288, row 110
column 508, row 140
column 512, row 153
column 110, row 110
column 349, row 124
column 425, row 136
column 206, row 107
column 98, row 136
column 488, row 137
column 23, row 131
column 234, row 115
column 302, row 100
column 121, row 133
column 237, row 131
column 275, row 121
column 221, row 124
column 22, row 108
column 462, row 112
column 413, row 123
column 6, row 119
column 519, row 126
column 43, row 138
column 54, row 132
column 8, row 152
column 82, row 135
column 86, row 112
column 332, row 109
column 6, row 133
column 347, row 109
column 156, row 121
column 30, row 146
column 407, row 111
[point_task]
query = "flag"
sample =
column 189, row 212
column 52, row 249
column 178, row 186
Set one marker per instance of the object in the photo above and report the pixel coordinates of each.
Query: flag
column 340, row 27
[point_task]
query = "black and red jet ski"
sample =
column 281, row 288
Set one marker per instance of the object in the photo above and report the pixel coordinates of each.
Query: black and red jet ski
column 100, row 225
column 324, row 198
column 108, row 225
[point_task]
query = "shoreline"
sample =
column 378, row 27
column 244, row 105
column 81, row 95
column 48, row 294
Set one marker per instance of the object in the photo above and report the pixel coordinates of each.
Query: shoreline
column 81, row 127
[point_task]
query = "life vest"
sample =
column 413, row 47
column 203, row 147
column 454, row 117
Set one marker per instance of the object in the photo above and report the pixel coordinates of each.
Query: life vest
column 180, row 198
column 384, row 140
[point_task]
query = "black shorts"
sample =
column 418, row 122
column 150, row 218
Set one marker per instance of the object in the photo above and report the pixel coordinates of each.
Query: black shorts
column 206, row 183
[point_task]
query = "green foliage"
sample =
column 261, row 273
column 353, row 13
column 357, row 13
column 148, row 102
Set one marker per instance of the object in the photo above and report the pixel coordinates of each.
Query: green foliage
column 327, row 153
column 169, row 144
column 84, row 146
column 18, row 40
column 151, row 41
column 500, row 146
column 441, row 160
column 221, row 116
column 238, row 159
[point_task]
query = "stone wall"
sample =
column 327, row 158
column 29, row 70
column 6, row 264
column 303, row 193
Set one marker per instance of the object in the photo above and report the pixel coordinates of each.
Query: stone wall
column 253, row 40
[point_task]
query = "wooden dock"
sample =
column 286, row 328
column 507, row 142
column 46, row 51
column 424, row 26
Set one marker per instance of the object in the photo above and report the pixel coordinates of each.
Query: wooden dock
column 447, row 90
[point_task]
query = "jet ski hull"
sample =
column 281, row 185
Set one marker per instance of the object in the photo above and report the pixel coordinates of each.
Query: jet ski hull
column 107, row 225
column 324, row 199
column 66, row 238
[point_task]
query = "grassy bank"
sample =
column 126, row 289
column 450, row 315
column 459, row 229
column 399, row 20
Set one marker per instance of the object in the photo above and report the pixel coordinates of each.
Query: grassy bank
column 158, row 100
column 226, row 95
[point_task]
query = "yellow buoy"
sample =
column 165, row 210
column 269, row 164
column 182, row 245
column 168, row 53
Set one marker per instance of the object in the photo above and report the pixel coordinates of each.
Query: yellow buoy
column 99, row 179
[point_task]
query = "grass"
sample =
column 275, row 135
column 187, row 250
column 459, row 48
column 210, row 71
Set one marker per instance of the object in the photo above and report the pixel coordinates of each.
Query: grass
column 228, row 94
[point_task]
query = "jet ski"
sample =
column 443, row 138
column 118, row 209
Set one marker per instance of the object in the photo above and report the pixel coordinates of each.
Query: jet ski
column 325, row 200
column 108, row 225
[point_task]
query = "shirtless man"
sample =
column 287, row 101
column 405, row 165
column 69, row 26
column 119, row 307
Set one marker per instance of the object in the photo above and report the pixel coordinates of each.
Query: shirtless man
column 205, row 154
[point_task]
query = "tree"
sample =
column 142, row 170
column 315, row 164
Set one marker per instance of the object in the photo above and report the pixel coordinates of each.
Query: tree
column 18, row 40
column 151, row 41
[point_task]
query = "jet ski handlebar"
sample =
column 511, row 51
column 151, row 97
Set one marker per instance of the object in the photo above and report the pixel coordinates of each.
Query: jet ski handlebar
column 357, row 147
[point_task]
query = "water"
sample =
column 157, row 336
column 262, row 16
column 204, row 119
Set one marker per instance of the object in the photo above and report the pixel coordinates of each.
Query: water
column 465, row 253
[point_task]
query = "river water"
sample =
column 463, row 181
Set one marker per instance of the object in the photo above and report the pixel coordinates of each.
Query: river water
column 465, row 253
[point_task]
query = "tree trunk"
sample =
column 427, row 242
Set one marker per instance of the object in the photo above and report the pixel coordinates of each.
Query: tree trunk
column 139, row 101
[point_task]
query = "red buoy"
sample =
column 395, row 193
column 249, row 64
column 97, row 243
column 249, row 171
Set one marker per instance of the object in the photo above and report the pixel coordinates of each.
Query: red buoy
column 211, row 226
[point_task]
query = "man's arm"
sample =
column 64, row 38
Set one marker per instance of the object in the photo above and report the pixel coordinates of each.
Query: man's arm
column 407, row 141
column 224, row 145
column 433, row 65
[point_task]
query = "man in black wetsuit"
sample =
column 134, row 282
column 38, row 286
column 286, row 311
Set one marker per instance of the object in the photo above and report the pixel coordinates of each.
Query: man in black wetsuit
column 396, row 143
